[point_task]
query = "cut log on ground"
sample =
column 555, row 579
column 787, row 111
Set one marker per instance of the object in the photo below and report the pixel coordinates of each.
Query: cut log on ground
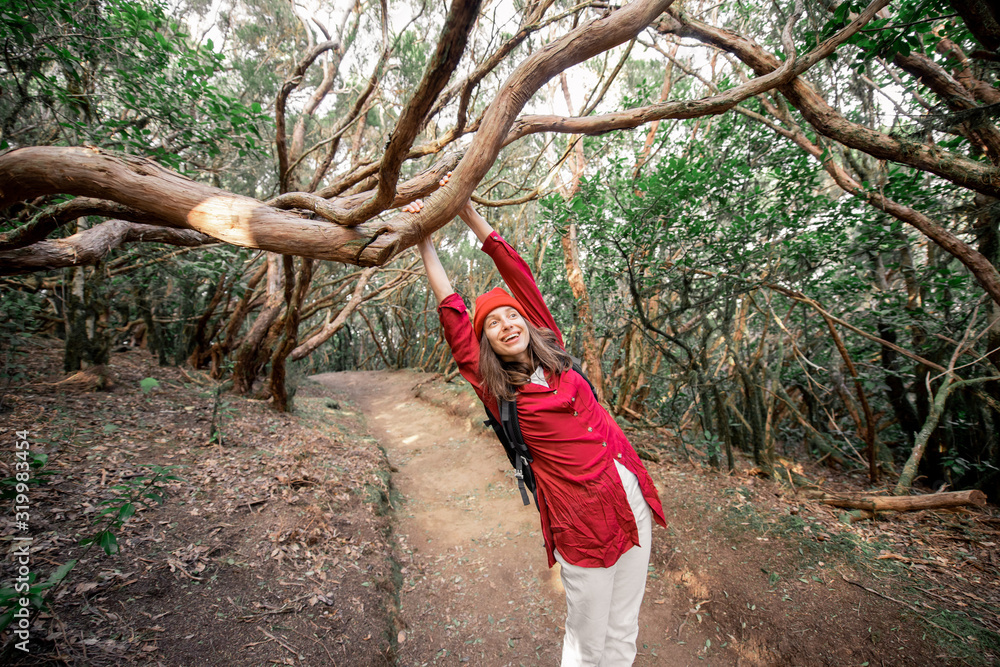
column 908, row 503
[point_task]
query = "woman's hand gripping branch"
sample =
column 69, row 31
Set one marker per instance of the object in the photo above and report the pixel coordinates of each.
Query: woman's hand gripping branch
column 440, row 284
column 432, row 265
column 468, row 214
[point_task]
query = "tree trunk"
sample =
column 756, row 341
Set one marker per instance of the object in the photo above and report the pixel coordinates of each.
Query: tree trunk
column 199, row 337
column 574, row 274
column 948, row 385
column 294, row 299
column 755, row 418
column 221, row 349
column 722, row 415
column 251, row 356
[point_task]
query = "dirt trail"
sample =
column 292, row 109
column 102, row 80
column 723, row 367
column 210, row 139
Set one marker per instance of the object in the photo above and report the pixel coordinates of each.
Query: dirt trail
column 275, row 547
column 744, row 575
column 476, row 586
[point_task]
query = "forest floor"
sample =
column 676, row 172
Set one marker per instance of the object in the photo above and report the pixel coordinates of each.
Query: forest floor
column 380, row 525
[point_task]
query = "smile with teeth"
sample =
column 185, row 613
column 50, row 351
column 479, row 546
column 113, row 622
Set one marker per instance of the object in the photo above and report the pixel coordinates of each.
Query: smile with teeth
column 510, row 337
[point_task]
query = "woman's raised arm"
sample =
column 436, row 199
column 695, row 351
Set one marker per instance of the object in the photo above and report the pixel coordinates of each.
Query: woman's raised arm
column 440, row 284
column 476, row 222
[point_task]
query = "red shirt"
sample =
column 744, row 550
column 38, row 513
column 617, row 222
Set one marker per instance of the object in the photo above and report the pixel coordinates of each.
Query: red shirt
column 573, row 440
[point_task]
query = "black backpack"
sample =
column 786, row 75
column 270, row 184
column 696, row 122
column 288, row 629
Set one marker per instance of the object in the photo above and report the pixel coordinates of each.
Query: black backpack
column 508, row 431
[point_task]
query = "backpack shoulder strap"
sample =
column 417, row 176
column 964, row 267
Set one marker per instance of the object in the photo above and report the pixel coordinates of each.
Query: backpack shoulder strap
column 522, row 455
column 508, row 431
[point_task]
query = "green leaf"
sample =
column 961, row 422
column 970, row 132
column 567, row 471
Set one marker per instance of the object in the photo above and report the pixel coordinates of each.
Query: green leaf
column 60, row 572
column 126, row 511
column 109, row 542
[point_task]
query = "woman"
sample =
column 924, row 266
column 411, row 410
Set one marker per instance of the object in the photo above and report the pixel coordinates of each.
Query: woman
column 595, row 498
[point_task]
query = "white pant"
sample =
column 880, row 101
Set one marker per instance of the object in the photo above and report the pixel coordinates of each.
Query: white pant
column 602, row 618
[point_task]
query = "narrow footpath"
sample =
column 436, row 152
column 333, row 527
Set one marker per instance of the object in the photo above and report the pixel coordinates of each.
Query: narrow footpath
column 745, row 574
column 476, row 587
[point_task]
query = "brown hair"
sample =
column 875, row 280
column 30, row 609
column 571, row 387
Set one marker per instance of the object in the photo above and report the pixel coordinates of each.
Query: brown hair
column 502, row 378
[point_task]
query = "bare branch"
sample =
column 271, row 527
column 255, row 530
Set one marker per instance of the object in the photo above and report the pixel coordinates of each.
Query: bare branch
column 963, row 171
column 451, row 45
column 586, row 41
column 56, row 216
column 91, row 246
column 293, row 81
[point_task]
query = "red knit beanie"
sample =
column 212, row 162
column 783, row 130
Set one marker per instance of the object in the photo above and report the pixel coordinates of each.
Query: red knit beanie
column 486, row 303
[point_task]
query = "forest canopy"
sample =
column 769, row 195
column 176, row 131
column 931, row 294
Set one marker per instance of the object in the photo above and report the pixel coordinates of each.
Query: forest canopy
column 765, row 228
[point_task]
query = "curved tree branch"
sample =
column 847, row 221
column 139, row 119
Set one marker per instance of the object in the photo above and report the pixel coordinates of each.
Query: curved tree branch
column 955, row 95
column 291, row 83
column 971, row 174
column 330, row 70
column 56, row 216
column 980, row 267
column 330, row 328
column 174, row 200
column 451, row 44
column 705, row 106
column 586, row 41
column 91, row 246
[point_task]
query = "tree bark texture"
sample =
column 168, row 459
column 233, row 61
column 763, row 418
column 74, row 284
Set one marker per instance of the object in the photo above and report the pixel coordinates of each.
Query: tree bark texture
column 909, row 503
column 180, row 203
column 253, row 353
column 90, row 246
column 293, row 305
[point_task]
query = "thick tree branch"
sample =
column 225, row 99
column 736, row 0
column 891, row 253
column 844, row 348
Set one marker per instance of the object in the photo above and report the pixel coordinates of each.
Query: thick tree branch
column 982, row 17
column 91, row 246
column 178, row 202
column 705, row 106
column 56, row 216
column 977, row 176
column 955, row 95
column 980, row 267
column 451, row 45
column 405, row 229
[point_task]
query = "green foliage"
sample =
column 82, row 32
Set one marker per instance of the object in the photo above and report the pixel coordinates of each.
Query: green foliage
column 19, row 312
column 134, row 492
column 122, row 75
column 148, row 385
column 903, row 33
column 703, row 232
column 11, row 596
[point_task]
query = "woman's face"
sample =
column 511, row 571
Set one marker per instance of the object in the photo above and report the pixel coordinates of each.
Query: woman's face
column 508, row 334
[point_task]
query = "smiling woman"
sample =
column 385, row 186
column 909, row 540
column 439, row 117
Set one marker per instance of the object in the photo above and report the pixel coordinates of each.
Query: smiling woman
column 596, row 501
column 506, row 331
